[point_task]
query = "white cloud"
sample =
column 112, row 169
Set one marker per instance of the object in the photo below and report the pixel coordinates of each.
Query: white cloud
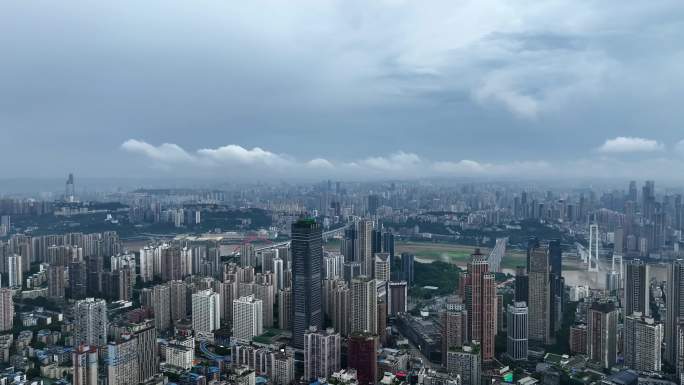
column 320, row 163
column 626, row 144
column 166, row 152
column 399, row 161
column 238, row 154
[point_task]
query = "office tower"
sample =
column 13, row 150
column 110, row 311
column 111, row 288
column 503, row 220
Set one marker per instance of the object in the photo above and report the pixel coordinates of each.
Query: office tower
column 178, row 294
column 90, row 322
column 282, row 368
column 480, row 295
column 206, row 313
column 521, row 284
column 284, row 309
column 85, row 365
column 307, row 258
column 348, row 245
column 454, row 329
column 6, row 309
column 247, row 318
column 362, row 355
column 407, row 261
column 578, row 339
column 398, row 297
column 382, row 267
column 364, row 247
column 376, row 241
column 464, row 363
column 364, row 302
column 517, row 333
column 322, row 353
column 373, row 204
column 539, row 296
column 382, row 320
column 556, row 285
column 94, row 267
column 674, row 297
column 388, row 243
column 637, row 287
column 632, row 195
column 56, row 282
column 643, row 340
column 78, row 280
column 122, row 361
column 161, row 306
column 14, row 270
column 602, row 333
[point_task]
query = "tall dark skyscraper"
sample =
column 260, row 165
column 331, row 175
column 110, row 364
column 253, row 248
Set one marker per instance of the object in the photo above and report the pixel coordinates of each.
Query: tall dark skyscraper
column 521, row 284
column 557, row 284
column 407, row 267
column 637, row 286
column 307, row 260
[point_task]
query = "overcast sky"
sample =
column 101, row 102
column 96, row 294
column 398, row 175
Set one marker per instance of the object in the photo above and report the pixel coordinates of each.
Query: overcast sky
column 342, row 89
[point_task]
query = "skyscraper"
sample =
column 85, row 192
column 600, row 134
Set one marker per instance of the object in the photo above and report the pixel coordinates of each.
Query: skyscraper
column 382, row 267
column 78, row 280
column 643, row 340
column 517, row 333
column 307, row 258
column 362, row 355
column 161, row 306
column 178, row 298
column 637, row 287
column 398, row 297
column 148, row 360
column 521, row 284
column 464, row 363
column 674, row 297
column 247, row 318
column 364, row 246
column 206, row 315
column 364, row 302
column 14, row 270
column 556, row 285
column 322, row 353
column 602, row 333
column 6, row 309
column 407, row 268
column 480, row 295
column 85, row 365
column 539, row 296
column 90, row 322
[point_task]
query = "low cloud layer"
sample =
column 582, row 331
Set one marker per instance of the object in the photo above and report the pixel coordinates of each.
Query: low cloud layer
column 256, row 163
column 623, row 144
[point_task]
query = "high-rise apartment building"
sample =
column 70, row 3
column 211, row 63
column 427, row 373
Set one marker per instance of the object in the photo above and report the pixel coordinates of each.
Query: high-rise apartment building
column 364, row 246
column 454, row 329
column 322, row 353
column 364, row 303
column 247, row 318
column 398, row 297
column 643, row 340
column 382, row 267
column 56, row 282
column 517, row 331
column 307, row 292
column 85, row 365
column 122, row 361
column 674, row 298
column 90, row 322
column 464, row 363
column 206, row 313
column 178, row 297
column 6, row 309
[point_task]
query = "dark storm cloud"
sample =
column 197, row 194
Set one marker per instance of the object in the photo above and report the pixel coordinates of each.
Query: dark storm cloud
column 338, row 88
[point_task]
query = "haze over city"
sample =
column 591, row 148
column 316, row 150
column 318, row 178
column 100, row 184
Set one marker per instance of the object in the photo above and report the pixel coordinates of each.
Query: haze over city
column 342, row 192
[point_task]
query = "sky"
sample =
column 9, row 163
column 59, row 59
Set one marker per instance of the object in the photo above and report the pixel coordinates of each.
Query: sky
column 352, row 90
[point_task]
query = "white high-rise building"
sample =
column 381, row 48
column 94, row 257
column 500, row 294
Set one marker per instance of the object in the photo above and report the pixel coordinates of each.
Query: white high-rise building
column 278, row 273
column 382, row 267
column 364, row 246
column 90, row 322
column 247, row 318
column 364, row 303
column 14, row 270
column 321, row 353
column 643, row 340
column 147, row 264
column 206, row 313
column 517, row 333
column 333, row 264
